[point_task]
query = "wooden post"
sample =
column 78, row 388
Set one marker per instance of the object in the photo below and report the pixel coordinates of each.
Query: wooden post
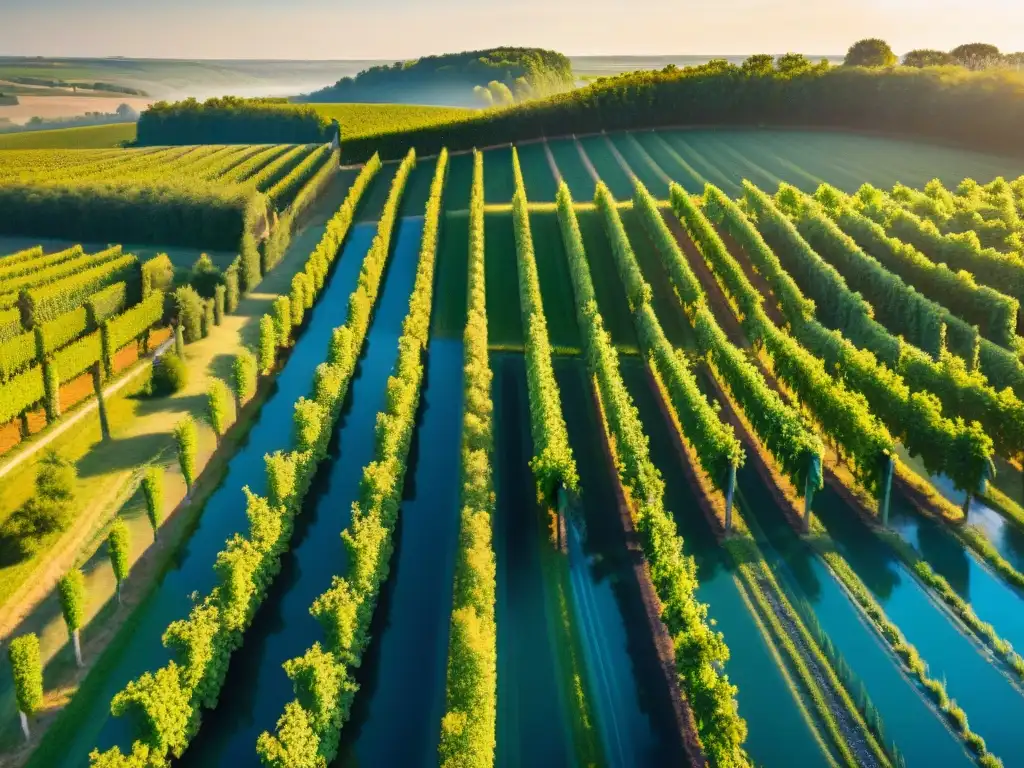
column 728, row 498
column 24, row 725
column 890, row 469
column 26, row 432
column 808, row 496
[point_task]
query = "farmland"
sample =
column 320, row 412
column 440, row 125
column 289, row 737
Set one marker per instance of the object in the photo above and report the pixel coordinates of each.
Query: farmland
column 637, row 448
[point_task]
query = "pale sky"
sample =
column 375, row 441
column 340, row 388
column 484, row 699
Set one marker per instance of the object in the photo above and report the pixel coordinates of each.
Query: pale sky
column 395, row 29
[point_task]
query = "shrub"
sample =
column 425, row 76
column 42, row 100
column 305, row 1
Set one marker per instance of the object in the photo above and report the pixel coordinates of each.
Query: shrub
column 243, row 376
column 170, row 375
column 205, row 277
column 117, row 549
column 218, row 406
column 190, row 309
column 153, row 490
column 71, row 593
column 268, row 344
column 219, row 304
column 27, row 670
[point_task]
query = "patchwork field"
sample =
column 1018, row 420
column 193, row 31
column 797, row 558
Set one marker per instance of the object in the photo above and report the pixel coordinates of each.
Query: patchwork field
column 640, row 449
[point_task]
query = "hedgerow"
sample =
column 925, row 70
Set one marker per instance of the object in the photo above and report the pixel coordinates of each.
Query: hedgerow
column 553, row 464
column 468, row 726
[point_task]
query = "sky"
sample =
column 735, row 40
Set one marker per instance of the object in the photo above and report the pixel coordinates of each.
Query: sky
column 397, row 29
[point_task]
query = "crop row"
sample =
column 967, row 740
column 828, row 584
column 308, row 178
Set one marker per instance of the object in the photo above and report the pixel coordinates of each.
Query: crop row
column 308, row 732
column 962, row 392
column 790, row 440
column 282, row 192
column 77, row 264
column 842, row 415
column 278, row 169
column 468, row 726
column 553, row 464
column 16, row 269
column 168, row 703
column 955, row 448
column 701, row 652
column 246, row 169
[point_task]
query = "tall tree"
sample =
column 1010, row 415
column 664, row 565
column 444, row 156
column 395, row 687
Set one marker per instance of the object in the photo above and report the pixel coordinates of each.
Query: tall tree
column 243, row 377
column 187, row 438
column 218, row 399
column 117, row 549
column 71, row 592
column 871, row 52
column 153, row 490
column 268, row 344
column 27, row 670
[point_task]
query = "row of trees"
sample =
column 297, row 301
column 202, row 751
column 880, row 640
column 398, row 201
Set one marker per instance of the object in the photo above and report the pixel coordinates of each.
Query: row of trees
column 168, row 702
column 955, row 448
column 309, row 730
column 553, row 464
column 468, row 726
column 843, row 415
column 791, row 441
column 874, row 52
column 720, row 728
column 977, row 109
column 232, row 120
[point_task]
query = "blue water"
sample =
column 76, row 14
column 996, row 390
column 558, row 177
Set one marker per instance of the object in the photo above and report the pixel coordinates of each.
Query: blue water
column 257, row 688
column 225, row 511
column 402, row 678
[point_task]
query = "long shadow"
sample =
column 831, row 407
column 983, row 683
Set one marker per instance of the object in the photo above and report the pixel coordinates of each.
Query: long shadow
column 121, row 453
column 149, row 405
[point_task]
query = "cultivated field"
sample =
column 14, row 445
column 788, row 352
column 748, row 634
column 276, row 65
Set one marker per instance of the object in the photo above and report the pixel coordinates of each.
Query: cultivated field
column 644, row 448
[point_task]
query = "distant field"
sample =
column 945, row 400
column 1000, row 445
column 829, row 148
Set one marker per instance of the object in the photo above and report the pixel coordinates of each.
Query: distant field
column 89, row 137
column 361, row 120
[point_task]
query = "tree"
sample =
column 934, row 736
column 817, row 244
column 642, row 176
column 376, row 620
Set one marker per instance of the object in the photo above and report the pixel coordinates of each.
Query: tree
column 243, row 377
column 205, row 277
column 793, row 63
column 976, row 55
column 927, row 57
column 190, row 308
column 27, row 670
column 218, row 397
column 71, row 592
column 484, row 96
column 268, row 344
column 501, row 93
column 187, row 438
column 48, row 509
column 282, row 320
column 127, row 113
column 872, row 52
column 153, row 490
column 759, row 64
column 117, row 549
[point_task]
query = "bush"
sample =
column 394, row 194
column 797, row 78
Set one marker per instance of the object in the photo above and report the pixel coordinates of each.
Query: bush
column 170, row 375
column 190, row 309
column 205, row 277
column 48, row 510
column 27, row 669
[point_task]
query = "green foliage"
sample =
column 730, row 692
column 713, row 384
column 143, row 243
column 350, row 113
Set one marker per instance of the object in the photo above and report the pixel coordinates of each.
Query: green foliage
column 982, row 110
column 218, row 304
column 48, row 510
column 71, row 594
column 297, row 300
column 51, row 386
column 284, row 190
column 52, row 300
column 709, row 692
column 218, row 406
column 208, row 317
column 267, row 344
column 230, row 120
column 321, row 677
column 157, row 274
column 231, row 287
column 955, row 448
column 243, row 376
column 153, row 490
column 133, row 323
column 976, row 55
column 170, row 375
column 205, row 277
column 443, row 78
column 20, row 393
column 501, row 94
column 189, row 307
column 101, row 306
column 870, row 53
column 553, row 464
column 16, row 354
column 27, row 671
column 169, row 702
column 843, row 416
column 927, row 57
column 282, row 320
column 78, row 357
column 468, row 726
column 117, row 549
column 186, row 437
column 994, row 313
